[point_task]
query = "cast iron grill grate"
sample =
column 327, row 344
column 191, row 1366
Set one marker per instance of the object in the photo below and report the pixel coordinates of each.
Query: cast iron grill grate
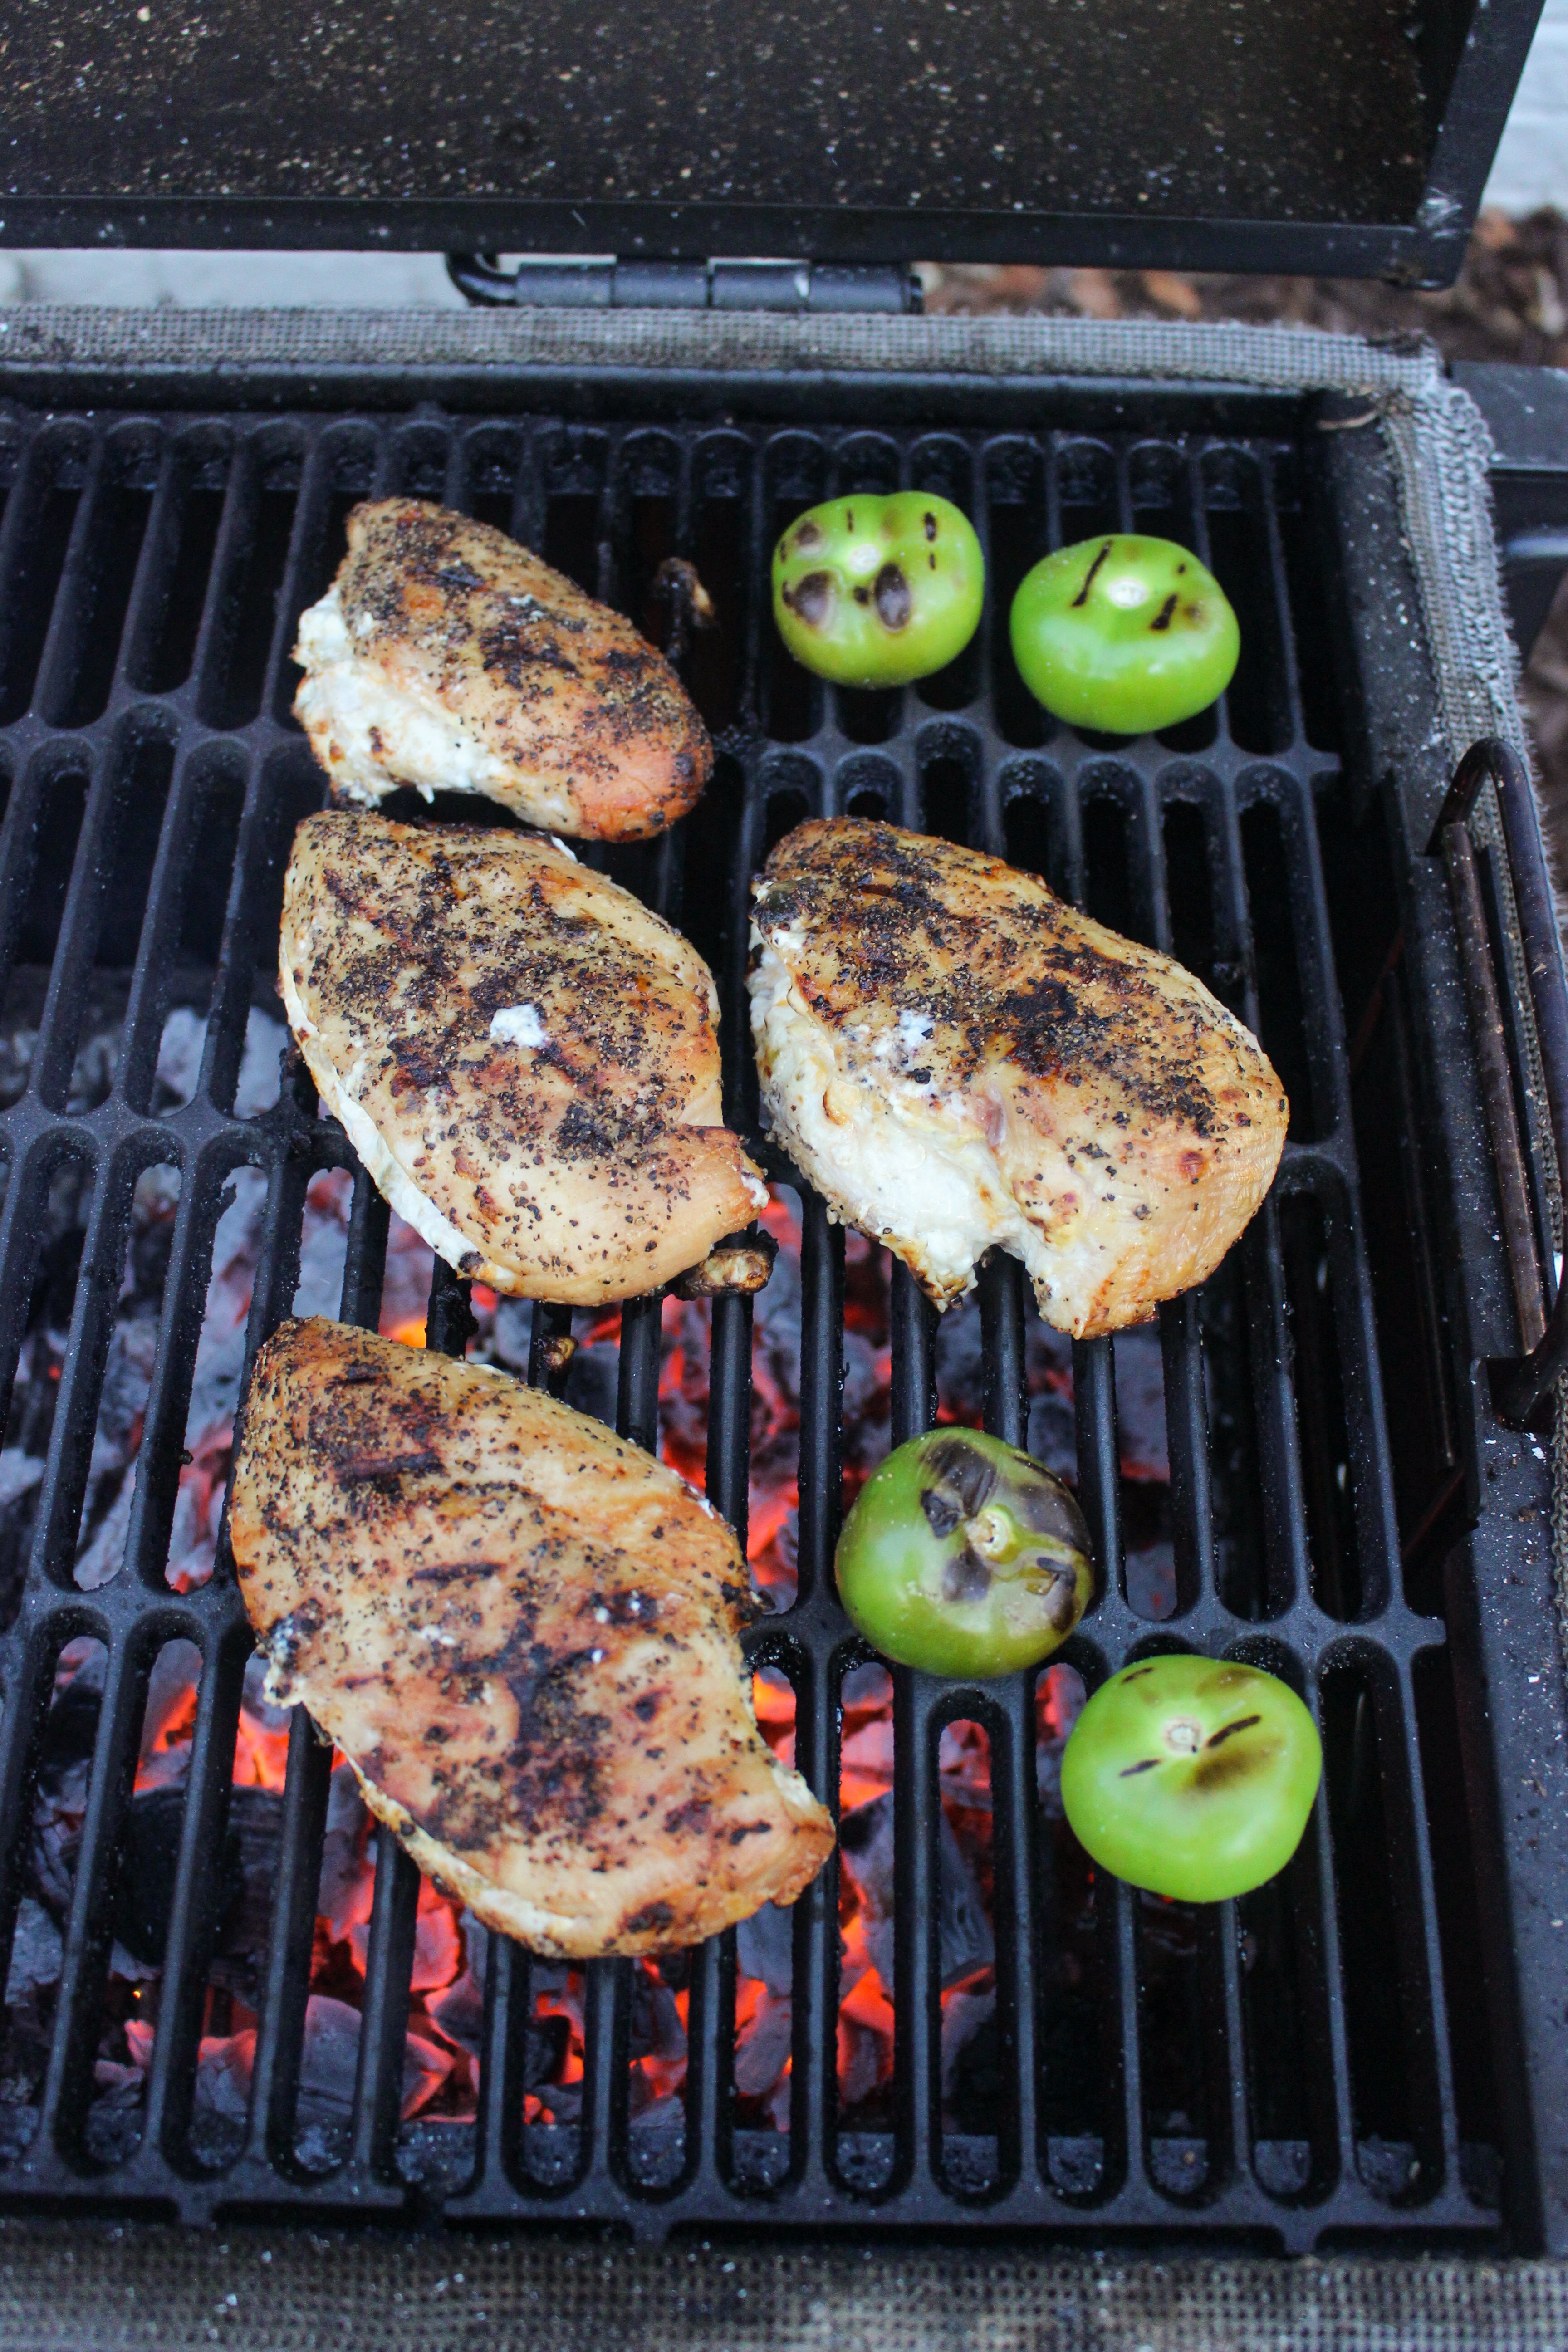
column 1284, row 2069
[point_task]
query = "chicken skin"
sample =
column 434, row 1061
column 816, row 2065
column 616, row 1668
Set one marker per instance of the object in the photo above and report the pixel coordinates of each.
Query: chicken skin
column 522, row 1632
column 525, row 1059
column 446, row 657
column 955, row 1059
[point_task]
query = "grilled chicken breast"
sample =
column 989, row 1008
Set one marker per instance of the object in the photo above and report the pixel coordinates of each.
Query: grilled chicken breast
column 446, row 656
column 524, row 1058
column 955, row 1059
column 522, row 1632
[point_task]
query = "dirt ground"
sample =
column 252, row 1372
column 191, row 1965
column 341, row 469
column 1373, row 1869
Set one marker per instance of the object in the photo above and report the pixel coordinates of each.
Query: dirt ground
column 1510, row 302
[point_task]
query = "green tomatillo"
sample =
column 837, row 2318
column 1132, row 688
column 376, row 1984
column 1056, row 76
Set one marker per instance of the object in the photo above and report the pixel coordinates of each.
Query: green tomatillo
column 1192, row 1777
column 876, row 591
column 1123, row 633
column 963, row 1556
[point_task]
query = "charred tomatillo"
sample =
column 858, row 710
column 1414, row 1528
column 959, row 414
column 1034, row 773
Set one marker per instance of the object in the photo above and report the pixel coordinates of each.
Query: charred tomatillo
column 1125, row 634
column 963, row 1556
column 879, row 591
column 1192, row 1777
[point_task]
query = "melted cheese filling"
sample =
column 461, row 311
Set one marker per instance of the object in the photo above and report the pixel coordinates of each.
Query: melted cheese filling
column 893, row 1159
column 348, row 701
column 518, row 1024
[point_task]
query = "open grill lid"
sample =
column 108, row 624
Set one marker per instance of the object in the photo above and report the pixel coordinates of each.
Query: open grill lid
column 1322, row 135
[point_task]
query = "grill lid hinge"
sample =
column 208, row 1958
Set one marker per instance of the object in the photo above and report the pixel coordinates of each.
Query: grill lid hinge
column 603, row 282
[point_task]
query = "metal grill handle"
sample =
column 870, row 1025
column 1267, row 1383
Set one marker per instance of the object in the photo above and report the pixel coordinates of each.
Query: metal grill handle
column 1517, row 1386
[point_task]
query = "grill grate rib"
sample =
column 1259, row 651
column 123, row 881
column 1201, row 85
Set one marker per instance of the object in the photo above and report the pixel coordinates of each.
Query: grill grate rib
column 198, row 542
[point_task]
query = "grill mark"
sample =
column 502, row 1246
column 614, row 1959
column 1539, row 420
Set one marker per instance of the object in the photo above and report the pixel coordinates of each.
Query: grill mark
column 358, row 1468
column 1082, row 596
column 1242, row 1723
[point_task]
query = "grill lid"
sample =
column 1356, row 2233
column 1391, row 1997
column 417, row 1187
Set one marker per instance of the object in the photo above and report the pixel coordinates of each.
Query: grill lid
column 1341, row 136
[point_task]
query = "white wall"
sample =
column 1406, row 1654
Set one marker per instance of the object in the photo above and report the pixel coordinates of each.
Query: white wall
column 370, row 280
column 1531, row 166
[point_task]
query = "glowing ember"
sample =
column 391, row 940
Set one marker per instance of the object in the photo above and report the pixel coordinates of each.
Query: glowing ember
column 410, row 1333
column 555, row 2044
column 443, row 2047
column 764, row 2014
column 866, row 2021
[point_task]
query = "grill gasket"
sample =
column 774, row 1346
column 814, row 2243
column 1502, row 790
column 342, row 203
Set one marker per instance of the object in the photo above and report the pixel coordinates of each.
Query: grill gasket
column 136, row 1612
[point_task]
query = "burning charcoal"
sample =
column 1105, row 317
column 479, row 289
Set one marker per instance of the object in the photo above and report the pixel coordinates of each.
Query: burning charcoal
column 16, row 1053
column 459, row 2011
column 146, row 1885
column 972, row 2086
column 658, row 2039
column 763, row 2049
column 764, row 1947
column 121, row 2084
column 862, row 2062
column 37, row 1948
column 223, row 2074
column 1150, row 1553
column 216, row 1381
column 405, row 1284
column 866, row 1843
column 92, row 1073
column 686, row 1331
column 545, row 2060
column 111, row 1471
column 52, row 1863
column 961, row 1361
column 426, row 2068
column 867, row 1756
column 866, row 1426
column 870, row 1684
column 324, row 1242
column 438, row 1947
column 184, row 1042
column 150, row 1855
column 180, row 1050
column 554, row 2040
column 591, row 1381
column 964, row 2013
column 168, row 1716
column 255, row 1827
column 658, row 2138
column 965, row 1764
column 129, row 1968
column 346, row 1879
column 1141, row 1405
column 1059, row 1702
column 330, row 2058
column 437, row 1954
column 511, row 1332
column 1052, row 1435
column 70, row 1727
column 20, row 1474
column 35, row 1384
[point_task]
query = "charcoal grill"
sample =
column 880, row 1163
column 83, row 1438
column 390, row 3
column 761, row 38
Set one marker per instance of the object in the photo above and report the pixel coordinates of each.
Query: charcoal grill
column 1365, row 2051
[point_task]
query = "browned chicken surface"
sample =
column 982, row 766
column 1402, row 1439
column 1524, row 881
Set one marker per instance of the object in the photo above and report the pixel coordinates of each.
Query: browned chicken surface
column 521, row 1631
column 956, row 1059
column 525, row 1059
column 446, row 657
